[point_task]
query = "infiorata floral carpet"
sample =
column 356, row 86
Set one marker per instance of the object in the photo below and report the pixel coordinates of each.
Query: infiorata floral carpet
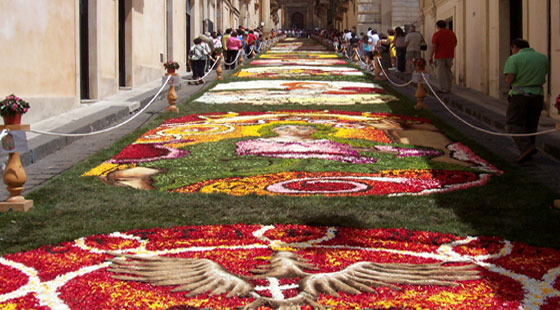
column 296, row 153
column 305, row 154
column 299, row 62
column 296, row 71
column 298, row 55
column 281, row 267
column 304, row 92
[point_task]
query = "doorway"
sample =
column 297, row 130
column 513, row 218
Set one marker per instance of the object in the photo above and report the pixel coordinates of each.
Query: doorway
column 122, row 43
column 297, row 21
column 515, row 19
column 84, row 49
column 449, row 22
column 188, row 28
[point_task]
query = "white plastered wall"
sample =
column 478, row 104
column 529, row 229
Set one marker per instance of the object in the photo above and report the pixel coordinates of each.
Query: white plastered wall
column 38, row 55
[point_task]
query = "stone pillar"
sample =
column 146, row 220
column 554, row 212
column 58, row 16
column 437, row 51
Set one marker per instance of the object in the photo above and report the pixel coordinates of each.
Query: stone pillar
column 265, row 17
column 244, row 13
column 369, row 15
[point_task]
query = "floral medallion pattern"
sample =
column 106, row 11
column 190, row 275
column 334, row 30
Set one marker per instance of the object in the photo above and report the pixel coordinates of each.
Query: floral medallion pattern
column 91, row 272
column 296, row 71
column 304, row 92
column 298, row 55
column 298, row 62
column 296, row 153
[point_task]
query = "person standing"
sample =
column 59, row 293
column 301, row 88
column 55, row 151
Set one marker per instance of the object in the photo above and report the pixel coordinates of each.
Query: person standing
column 412, row 40
column 444, row 42
column 217, row 46
column 198, row 54
column 391, row 37
column 225, row 37
column 233, row 47
column 400, row 49
column 525, row 70
column 384, row 49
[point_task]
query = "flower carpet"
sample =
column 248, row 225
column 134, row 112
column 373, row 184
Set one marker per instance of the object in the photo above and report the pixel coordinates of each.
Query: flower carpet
column 281, row 267
column 304, row 92
column 311, row 155
column 333, row 153
column 299, row 62
column 296, row 71
column 298, row 55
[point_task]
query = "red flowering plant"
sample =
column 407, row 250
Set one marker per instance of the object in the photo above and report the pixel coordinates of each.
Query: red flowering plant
column 171, row 65
column 557, row 104
column 12, row 105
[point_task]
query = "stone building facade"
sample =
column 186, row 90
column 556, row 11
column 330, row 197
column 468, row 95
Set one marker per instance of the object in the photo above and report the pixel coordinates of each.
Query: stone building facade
column 484, row 30
column 377, row 14
column 63, row 53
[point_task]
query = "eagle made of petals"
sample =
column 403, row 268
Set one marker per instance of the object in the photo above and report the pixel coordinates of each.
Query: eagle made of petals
column 198, row 276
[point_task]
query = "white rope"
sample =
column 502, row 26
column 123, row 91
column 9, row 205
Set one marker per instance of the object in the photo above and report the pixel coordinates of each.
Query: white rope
column 4, row 133
column 207, row 73
column 482, row 129
column 360, row 59
column 250, row 50
column 236, row 58
column 388, row 78
column 106, row 129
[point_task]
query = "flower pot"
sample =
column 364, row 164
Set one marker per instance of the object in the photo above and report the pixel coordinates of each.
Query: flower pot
column 12, row 119
column 170, row 70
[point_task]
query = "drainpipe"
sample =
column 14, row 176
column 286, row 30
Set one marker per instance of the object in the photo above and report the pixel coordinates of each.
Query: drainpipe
column 549, row 9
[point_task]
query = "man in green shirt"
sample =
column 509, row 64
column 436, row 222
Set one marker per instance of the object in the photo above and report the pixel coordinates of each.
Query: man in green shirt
column 525, row 71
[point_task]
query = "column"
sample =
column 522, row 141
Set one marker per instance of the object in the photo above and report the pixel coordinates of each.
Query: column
column 265, row 17
column 244, row 13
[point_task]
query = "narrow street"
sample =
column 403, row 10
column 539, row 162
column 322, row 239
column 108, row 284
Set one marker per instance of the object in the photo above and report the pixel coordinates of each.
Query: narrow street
column 296, row 182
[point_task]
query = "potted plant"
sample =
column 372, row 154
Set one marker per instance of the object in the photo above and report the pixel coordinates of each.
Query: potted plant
column 171, row 66
column 12, row 109
column 557, row 105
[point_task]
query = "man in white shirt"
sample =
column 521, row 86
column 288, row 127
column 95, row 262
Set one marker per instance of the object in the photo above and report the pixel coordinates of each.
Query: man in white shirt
column 348, row 35
column 373, row 37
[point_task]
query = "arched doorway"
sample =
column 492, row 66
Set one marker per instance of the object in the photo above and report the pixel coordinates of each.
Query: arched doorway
column 298, row 21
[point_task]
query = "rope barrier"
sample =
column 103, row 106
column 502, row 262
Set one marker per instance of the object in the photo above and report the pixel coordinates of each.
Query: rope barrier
column 207, row 73
column 106, row 129
column 236, row 58
column 361, row 60
column 388, row 78
column 482, row 129
column 252, row 47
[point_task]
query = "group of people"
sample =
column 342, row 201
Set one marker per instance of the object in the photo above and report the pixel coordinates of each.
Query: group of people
column 204, row 51
column 397, row 48
column 525, row 71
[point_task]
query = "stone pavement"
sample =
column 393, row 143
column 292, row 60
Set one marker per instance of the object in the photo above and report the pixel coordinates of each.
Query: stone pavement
column 50, row 156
